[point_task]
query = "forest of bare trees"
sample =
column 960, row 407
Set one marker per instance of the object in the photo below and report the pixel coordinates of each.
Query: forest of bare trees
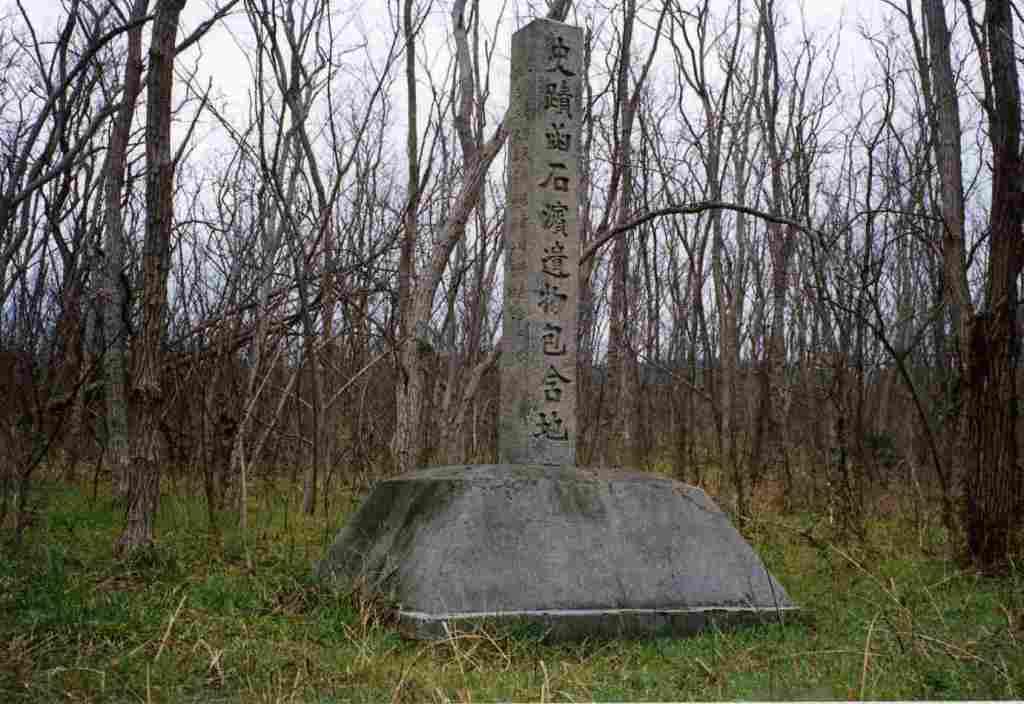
column 794, row 273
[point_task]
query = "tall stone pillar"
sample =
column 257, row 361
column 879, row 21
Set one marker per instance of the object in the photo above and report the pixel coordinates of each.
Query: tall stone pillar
column 542, row 247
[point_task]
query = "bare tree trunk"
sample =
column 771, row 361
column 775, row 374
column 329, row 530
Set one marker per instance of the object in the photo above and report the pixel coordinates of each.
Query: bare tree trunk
column 767, row 425
column 409, row 392
column 449, row 436
column 731, row 293
column 469, row 367
column 988, row 342
column 144, row 485
column 317, row 461
column 325, row 369
column 940, row 90
column 994, row 488
column 623, row 368
column 588, row 408
column 621, row 358
column 76, row 435
column 114, row 289
column 728, row 273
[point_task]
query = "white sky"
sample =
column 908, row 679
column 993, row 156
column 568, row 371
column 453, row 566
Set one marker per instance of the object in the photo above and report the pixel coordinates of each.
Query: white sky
column 222, row 59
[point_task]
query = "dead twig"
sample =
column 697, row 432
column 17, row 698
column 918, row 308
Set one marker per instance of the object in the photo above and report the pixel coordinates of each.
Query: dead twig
column 170, row 625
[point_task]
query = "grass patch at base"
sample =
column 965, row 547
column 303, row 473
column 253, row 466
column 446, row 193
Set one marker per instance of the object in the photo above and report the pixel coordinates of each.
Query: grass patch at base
column 232, row 616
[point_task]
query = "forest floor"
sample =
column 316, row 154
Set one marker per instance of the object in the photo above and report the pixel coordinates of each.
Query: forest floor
column 225, row 616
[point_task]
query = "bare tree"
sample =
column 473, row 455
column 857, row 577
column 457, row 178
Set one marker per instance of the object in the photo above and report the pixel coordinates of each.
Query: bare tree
column 49, row 182
column 147, row 376
column 987, row 340
column 623, row 371
column 724, row 116
column 768, row 424
column 994, row 489
column 114, row 290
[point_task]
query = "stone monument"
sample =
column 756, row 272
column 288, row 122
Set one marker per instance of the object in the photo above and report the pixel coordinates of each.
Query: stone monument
column 535, row 539
column 537, row 424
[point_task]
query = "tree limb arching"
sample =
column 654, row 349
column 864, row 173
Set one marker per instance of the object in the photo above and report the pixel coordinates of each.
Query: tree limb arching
column 691, row 209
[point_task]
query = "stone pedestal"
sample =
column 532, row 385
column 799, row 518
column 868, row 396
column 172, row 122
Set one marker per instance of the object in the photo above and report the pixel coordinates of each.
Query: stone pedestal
column 576, row 552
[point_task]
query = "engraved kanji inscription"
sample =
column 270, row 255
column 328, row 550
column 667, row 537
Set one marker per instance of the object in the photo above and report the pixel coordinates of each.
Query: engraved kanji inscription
column 553, row 217
column 555, row 179
column 552, row 337
column 549, row 427
column 553, row 382
column 558, row 138
column 558, row 53
column 558, row 98
column 553, row 261
column 551, row 298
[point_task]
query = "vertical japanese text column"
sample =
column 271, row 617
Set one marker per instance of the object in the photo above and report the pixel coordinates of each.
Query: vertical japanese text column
column 538, row 364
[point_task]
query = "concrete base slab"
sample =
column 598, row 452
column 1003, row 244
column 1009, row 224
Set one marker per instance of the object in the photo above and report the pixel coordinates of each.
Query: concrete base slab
column 581, row 624
column 576, row 552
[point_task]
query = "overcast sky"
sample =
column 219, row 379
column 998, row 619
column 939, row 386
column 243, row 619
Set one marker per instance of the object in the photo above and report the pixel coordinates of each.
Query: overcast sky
column 221, row 56
column 224, row 60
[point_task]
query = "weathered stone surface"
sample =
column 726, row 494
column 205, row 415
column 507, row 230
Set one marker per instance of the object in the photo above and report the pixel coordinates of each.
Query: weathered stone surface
column 576, row 551
column 537, row 423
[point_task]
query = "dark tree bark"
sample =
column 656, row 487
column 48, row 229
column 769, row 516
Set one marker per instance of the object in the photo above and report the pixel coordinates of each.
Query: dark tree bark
column 768, row 423
column 623, row 367
column 995, row 483
column 408, row 441
column 621, row 438
column 144, row 480
column 989, row 344
column 113, row 291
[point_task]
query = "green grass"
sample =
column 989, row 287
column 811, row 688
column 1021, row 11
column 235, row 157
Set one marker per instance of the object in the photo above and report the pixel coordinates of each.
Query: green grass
column 192, row 621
